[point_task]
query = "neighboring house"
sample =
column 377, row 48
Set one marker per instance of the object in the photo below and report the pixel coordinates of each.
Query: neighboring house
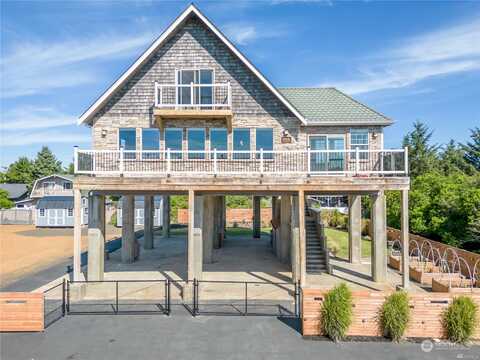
column 52, row 197
column 17, row 193
column 139, row 211
column 194, row 116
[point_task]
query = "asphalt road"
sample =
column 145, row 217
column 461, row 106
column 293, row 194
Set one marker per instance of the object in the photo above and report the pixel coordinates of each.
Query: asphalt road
column 180, row 336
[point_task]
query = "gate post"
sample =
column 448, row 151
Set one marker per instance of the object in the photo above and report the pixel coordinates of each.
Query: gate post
column 68, row 296
column 63, row 297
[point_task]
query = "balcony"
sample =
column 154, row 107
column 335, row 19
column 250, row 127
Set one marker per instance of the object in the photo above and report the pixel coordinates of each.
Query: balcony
column 295, row 163
column 193, row 101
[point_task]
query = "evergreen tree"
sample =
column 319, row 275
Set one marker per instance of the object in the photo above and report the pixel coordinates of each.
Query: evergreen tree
column 453, row 159
column 46, row 164
column 69, row 170
column 5, row 202
column 422, row 156
column 21, row 171
column 472, row 148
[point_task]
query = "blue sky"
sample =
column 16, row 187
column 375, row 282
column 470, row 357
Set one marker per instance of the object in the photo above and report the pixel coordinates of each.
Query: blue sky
column 408, row 60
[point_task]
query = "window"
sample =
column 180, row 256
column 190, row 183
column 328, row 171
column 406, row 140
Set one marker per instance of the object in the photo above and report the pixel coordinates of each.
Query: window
column 201, row 94
column 127, row 140
column 49, row 185
column 241, row 142
column 84, row 201
column 196, row 142
column 42, row 212
column 264, row 140
column 173, row 141
column 359, row 140
column 327, row 161
column 70, row 212
column 150, row 144
column 67, row 186
column 219, row 141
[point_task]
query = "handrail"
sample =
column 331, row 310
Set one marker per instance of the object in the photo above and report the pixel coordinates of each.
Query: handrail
column 378, row 162
column 199, row 96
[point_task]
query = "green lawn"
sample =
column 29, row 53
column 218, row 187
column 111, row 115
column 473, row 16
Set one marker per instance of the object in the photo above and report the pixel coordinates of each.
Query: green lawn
column 339, row 239
column 231, row 231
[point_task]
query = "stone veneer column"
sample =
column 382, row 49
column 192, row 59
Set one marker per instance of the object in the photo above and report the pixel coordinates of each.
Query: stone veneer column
column 257, row 221
column 128, row 229
column 354, row 229
column 379, row 238
column 148, row 219
column 96, row 238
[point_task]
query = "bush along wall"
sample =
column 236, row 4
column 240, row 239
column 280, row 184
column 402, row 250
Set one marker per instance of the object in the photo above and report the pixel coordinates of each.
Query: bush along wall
column 460, row 319
column 395, row 315
column 337, row 312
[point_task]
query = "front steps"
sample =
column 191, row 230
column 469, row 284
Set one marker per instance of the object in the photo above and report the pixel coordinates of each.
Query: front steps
column 316, row 262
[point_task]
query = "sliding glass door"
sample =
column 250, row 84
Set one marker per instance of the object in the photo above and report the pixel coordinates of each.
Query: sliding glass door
column 327, row 160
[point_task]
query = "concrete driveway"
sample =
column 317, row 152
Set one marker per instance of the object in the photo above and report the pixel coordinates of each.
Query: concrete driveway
column 181, row 336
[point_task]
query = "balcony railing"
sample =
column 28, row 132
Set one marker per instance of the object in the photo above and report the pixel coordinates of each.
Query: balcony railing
column 193, row 96
column 249, row 163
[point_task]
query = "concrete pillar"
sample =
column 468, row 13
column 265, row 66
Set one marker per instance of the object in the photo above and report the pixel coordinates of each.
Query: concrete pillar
column 274, row 221
column 295, row 244
column 257, row 221
column 77, row 235
column 405, row 240
column 285, row 228
column 96, row 238
column 208, row 228
column 148, row 215
column 302, row 239
column 355, row 229
column 166, row 216
column 128, row 229
column 195, row 222
column 379, row 240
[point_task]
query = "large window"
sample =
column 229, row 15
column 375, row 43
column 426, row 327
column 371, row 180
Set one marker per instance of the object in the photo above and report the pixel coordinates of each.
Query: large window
column 323, row 160
column 127, row 140
column 173, row 141
column 201, row 94
column 219, row 141
column 150, row 143
column 196, row 142
column 359, row 140
column 241, row 142
column 264, row 140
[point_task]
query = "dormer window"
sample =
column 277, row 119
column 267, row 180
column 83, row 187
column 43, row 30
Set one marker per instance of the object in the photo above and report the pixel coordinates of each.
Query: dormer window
column 200, row 79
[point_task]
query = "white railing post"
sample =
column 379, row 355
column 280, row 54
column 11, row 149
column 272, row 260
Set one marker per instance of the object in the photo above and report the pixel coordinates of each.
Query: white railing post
column 169, row 163
column 309, row 170
column 191, row 94
column 406, row 160
column 392, row 162
column 94, row 164
column 261, row 161
column 122, row 159
column 75, row 159
column 229, row 95
column 357, row 160
column 215, row 170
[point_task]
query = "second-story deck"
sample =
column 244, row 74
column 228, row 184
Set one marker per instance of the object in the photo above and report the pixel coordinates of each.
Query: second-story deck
column 347, row 163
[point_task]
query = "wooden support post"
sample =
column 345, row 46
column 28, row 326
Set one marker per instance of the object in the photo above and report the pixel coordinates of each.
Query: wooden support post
column 148, row 216
column 257, row 222
column 355, row 229
column 128, row 229
column 379, row 240
column 77, row 235
column 285, row 228
column 96, row 239
column 405, row 241
column 195, row 250
column 166, row 216
column 302, row 238
column 295, row 247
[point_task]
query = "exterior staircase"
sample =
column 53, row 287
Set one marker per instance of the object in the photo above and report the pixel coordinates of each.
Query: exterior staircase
column 316, row 262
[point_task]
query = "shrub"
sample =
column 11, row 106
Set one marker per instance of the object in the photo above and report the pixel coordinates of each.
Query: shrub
column 460, row 319
column 337, row 312
column 395, row 314
column 113, row 219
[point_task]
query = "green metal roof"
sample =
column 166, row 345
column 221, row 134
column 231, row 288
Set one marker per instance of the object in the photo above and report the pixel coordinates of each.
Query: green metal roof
column 329, row 106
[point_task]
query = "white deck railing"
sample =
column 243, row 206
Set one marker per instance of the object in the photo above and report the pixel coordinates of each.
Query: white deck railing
column 193, row 96
column 249, row 163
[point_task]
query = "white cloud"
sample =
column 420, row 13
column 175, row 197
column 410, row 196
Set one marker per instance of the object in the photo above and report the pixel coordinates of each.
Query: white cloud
column 31, row 117
column 243, row 33
column 438, row 53
column 34, row 67
column 45, row 137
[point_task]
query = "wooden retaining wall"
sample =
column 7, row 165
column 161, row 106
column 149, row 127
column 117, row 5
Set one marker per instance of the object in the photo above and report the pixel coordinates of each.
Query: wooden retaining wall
column 21, row 311
column 426, row 311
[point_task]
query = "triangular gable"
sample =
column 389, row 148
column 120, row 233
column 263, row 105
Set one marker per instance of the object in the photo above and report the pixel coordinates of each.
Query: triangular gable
column 91, row 111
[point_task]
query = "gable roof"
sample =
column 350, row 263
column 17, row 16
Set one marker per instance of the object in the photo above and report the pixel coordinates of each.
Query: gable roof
column 329, row 106
column 191, row 9
column 14, row 190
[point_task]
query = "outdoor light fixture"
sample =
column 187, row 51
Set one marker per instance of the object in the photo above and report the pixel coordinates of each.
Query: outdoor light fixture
column 104, row 133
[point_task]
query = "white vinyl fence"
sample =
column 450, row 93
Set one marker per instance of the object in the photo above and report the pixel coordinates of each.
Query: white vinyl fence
column 16, row 217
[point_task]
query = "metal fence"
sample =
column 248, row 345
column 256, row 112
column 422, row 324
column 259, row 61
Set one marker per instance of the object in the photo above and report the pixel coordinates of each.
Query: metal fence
column 54, row 303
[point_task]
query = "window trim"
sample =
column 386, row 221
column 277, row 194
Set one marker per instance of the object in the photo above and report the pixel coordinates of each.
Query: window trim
column 177, row 78
column 69, row 210
column 367, row 154
column 41, row 212
column 67, row 183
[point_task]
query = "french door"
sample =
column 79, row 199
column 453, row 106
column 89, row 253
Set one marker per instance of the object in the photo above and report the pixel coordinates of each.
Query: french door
column 331, row 160
column 201, row 95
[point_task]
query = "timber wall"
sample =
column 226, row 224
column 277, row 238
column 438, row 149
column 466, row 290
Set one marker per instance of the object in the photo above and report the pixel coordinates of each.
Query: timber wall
column 21, row 311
